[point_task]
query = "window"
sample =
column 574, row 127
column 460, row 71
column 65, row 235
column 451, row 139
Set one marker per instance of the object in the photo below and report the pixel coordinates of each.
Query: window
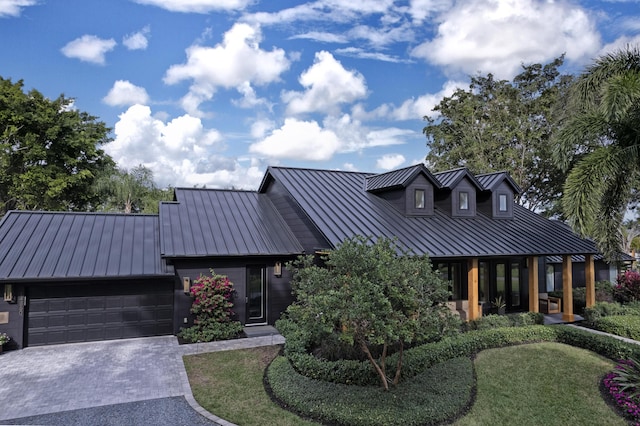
column 502, row 202
column 463, row 198
column 419, row 198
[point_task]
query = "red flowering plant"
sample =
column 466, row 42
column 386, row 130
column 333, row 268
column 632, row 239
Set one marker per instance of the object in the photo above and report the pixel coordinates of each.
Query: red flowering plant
column 627, row 287
column 212, row 305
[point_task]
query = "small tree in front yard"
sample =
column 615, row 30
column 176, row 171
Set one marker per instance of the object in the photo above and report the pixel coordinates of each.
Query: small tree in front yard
column 371, row 295
column 212, row 306
column 627, row 288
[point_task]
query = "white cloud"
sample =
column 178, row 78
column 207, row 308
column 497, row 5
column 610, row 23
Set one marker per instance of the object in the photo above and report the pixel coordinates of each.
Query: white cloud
column 498, row 36
column 197, row 6
column 350, row 167
column 138, row 40
column 620, row 44
column 14, row 7
column 234, row 63
column 124, row 93
column 260, row 128
column 420, row 10
column 180, row 152
column 382, row 37
column 89, row 48
column 357, row 52
column 322, row 37
column 300, row 140
column 390, row 161
column 327, row 86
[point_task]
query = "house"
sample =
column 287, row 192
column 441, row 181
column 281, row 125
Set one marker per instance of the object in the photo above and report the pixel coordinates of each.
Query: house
column 72, row 277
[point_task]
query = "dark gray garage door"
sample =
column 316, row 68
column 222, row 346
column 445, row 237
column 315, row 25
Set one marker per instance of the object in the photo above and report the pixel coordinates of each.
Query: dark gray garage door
column 98, row 311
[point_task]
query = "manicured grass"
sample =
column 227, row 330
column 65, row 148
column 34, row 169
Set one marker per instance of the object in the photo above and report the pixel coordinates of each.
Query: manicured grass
column 229, row 385
column 540, row 384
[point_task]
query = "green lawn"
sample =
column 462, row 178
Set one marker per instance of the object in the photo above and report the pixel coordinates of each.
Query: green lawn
column 542, row 383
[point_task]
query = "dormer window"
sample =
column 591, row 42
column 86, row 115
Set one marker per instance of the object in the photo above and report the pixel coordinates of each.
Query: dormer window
column 502, row 203
column 463, row 200
column 419, row 199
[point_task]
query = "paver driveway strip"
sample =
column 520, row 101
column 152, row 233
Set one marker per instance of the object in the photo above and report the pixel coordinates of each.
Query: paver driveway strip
column 50, row 379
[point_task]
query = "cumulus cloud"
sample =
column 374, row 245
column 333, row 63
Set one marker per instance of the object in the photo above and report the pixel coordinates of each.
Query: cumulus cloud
column 89, row 48
column 421, row 10
column 390, row 161
column 300, row 140
column 197, row 6
column 237, row 62
column 328, row 84
column 14, row 7
column 498, row 36
column 124, row 93
column 180, row 152
column 138, row 40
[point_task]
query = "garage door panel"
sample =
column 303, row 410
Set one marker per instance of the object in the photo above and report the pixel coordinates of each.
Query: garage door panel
column 85, row 313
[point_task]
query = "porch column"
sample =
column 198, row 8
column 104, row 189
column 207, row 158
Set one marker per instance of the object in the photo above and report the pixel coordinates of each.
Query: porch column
column 590, row 279
column 472, row 284
column 567, row 289
column 533, row 283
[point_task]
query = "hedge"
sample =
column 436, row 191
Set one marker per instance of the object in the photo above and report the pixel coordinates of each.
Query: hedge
column 625, row 326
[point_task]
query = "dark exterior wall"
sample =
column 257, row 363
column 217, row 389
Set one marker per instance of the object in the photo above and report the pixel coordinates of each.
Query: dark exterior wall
column 397, row 198
column 577, row 269
column 305, row 231
column 278, row 288
column 489, row 204
column 420, row 182
column 15, row 327
column 463, row 186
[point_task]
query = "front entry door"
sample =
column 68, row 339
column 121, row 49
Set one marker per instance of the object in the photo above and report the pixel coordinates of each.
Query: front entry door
column 508, row 284
column 256, row 295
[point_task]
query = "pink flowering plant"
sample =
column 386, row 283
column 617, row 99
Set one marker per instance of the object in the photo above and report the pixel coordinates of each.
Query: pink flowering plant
column 627, row 287
column 623, row 387
column 213, row 309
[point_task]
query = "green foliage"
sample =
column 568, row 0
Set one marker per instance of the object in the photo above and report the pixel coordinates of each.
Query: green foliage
column 374, row 296
column 606, row 309
column 601, row 119
column 620, row 325
column 520, row 319
column 212, row 306
column 497, row 125
column 49, row 152
column 436, row 395
column 628, row 377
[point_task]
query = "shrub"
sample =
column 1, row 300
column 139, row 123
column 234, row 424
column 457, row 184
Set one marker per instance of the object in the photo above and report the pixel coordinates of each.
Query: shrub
column 621, row 325
column 627, row 287
column 623, row 387
column 604, row 291
column 212, row 306
column 606, row 309
column 519, row 319
column 579, row 295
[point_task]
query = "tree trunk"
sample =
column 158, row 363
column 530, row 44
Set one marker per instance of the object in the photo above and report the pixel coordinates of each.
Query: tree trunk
column 396, row 379
column 380, row 372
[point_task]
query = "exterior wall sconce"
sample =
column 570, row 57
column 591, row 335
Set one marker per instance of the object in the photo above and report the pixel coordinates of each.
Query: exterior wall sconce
column 8, row 293
column 186, row 284
column 277, row 269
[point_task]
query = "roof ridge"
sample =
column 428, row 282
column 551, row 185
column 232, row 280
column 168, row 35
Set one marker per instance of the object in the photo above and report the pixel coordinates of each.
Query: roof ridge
column 74, row 213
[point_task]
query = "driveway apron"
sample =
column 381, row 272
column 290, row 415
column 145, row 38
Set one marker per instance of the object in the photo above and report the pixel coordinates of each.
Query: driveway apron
column 49, row 379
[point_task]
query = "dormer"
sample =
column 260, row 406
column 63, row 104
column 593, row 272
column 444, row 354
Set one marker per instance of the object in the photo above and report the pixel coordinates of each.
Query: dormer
column 459, row 192
column 410, row 190
column 498, row 198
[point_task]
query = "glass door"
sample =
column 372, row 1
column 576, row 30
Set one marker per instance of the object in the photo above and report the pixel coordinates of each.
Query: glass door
column 256, row 295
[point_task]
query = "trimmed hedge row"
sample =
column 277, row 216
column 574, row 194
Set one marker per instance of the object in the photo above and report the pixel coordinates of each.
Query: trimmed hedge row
column 609, row 309
column 435, row 396
column 625, row 326
column 419, row 359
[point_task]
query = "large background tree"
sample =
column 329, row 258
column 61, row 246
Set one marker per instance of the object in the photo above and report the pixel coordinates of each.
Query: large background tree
column 603, row 110
column 499, row 125
column 49, row 152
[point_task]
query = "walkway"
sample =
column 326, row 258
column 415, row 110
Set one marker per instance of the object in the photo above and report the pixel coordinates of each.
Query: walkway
column 52, row 379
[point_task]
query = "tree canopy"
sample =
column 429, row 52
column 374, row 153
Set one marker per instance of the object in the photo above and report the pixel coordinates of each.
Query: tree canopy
column 499, row 125
column 600, row 134
column 49, row 152
column 370, row 295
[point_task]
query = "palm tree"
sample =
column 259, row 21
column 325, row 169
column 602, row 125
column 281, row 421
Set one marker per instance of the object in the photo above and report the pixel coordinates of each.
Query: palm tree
column 600, row 136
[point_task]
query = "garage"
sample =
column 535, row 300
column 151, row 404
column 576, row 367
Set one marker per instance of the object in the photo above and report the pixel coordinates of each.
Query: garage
column 89, row 312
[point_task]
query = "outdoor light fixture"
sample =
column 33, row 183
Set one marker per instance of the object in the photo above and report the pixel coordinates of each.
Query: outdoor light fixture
column 8, row 293
column 277, row 269
column 186, row 284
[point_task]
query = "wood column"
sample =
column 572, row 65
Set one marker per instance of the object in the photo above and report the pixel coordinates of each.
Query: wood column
column 567, row 289
column 533, row 284
column 472, row 287
column 590, row 279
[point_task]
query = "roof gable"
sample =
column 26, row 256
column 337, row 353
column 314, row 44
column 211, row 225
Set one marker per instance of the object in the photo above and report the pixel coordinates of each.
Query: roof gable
column 398, row 178
column 210, row 222
column 451, row 178
column 65, row 245
column 490, row 181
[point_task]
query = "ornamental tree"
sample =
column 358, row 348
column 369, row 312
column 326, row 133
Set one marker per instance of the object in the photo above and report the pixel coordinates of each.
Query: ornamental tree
column 371, row 295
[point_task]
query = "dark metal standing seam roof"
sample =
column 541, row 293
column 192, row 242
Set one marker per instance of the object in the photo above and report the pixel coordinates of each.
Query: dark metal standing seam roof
column 64, row 245
column 491, row 180
column 338, row 205
column 210, row 222
column 450, row 178
column 398, row 178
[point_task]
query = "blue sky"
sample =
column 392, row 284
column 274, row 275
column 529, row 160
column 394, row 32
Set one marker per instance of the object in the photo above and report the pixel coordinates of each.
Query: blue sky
column 211, row 92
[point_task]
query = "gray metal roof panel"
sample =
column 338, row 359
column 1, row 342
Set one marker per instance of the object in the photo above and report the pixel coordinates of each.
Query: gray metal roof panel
column 450, row 178
column 491, row 180
column 398, row 178
column 338, row 205
column 206, row 222
column 65, row 245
